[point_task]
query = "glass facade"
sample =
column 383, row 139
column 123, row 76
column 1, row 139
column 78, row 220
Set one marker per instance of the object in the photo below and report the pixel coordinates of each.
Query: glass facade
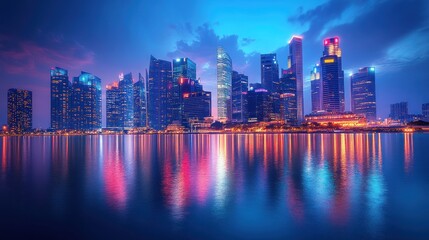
column 240, row 84
column 113, row 106
column 60, row 91
column 183, row 68
column 363, row 99
column 295, row 60
column 85, row 107
column 288, row 98
column 140, row 102
column 159, row 82
column 269, row 72
column 19, row 110
column 332, row 87
column 315, row 89
column 224, row 85
column 127, row 102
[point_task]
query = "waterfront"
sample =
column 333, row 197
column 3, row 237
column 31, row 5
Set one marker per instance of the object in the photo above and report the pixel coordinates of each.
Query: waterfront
column 363, row 185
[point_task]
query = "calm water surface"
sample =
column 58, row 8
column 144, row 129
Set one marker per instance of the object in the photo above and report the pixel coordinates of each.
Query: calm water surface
column 249, row 186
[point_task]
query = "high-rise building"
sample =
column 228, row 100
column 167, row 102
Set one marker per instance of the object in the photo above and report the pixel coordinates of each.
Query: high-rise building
column 363, row 98
column 140, row 102
column 127, row 100
column 288, row 104
column 85, row 102
column 332, row 77
column 269, row 72
column 295, row 65
column 224, row 85
column 240, row 84
column 159, row 82
column 196, row 106
column 19, row 110
column 425, row 110
column 113, row 106
column 316, row 98
column 399, row 111
column 60, row 94
column 183, row 68
column 259, row 105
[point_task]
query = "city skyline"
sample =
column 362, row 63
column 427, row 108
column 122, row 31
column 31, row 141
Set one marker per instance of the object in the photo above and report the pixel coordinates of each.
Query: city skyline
column 30, row 50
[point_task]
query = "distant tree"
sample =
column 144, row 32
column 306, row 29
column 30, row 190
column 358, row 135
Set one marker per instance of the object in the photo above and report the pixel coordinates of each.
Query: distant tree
column 216, row 125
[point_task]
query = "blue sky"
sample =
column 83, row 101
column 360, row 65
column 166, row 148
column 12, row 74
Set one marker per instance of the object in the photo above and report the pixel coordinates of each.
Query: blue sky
column 110, row 37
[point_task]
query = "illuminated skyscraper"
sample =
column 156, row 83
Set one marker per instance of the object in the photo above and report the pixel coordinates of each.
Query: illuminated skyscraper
column 269, row 72
column 127, row 101
column 240, row 84
column 60, row 93
column 85, row 102
column 288, row 104
column 224, row 85
column 159, row 82
column 315, row 89
column 332, row 77
column 260, row 105
column 19, row 110
column 295, row 65
column 113, row 106
column 140, row 102
column 363, row 98
column 183, row 68
column 399, row 111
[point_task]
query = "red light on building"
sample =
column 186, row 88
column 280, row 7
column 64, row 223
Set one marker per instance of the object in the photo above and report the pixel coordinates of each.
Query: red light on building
column 326, row 42
column 336, row 40
column 181, row 81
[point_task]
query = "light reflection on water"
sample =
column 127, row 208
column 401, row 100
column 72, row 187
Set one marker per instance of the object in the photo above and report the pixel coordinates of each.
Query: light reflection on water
column 268, row 185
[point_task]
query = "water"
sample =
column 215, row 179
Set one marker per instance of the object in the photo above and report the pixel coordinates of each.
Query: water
column 210, row 186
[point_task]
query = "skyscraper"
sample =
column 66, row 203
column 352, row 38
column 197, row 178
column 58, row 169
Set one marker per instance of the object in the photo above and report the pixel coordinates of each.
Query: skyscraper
column 224, row 85
column 240, row 84
column 60, row 92
column 19, row 110
column 127, row 102
column 260, row 105
column 295, row 65
column 140, row 103
column 113, row 106
column 288, row 99
column 85, row 108
column 332, row 76
column 269, row 72
column 399, row 111
column 363, row 98
column 183, row 68
column 159, row 82
column 315, row 89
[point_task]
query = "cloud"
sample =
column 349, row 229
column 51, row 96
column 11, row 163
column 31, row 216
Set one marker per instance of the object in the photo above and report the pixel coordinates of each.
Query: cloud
column 247, row 41
column 28, row 58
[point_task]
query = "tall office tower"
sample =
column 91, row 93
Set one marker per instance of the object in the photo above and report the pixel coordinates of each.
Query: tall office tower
column 224, row 85
column 363, row 98
column 85, row 102
column 127, row 100
column 159, row 81
column 113, row 106
column 269, row 72
column 332, row 77
column 288, row 97
column 60, row 91
column 196, row 106
column 295, row 65
column 425, row 110
column 260, row 105
column 399, row 111
column 316, row 98
column 19, row 110
column 182, row 68
column 140, row 103
column 240, row 84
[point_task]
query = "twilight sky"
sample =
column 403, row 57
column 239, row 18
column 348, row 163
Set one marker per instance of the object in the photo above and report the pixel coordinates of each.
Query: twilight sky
column 110, row 37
